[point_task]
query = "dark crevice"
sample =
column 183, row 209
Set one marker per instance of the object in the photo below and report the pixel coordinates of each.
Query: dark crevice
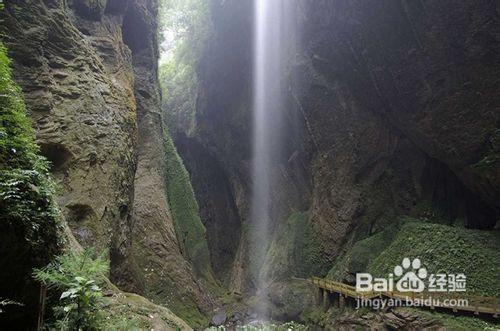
column 455, row 202
column 79, row 217
column 116, row 7
column 218, row 209
column 91, row 10
column 79, row 213
column 135, row 30
column 57, row 154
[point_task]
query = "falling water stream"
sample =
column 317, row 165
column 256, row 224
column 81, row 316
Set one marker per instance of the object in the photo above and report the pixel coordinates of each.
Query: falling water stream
column 269, row 50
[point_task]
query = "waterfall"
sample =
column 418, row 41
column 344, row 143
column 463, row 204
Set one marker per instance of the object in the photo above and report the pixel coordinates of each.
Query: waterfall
column 271, row 30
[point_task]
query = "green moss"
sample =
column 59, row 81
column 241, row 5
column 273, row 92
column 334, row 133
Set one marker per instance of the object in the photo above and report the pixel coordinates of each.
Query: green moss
column 489, row 163
column 357, row 257
column 185, row 212
column 446, row 249
column 457, row 323
column 127, row 311
column 294, row 252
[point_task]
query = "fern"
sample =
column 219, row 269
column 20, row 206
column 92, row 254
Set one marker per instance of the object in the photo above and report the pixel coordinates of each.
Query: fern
column 79, row 277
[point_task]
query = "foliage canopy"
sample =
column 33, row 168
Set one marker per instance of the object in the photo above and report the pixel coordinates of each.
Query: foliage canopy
column 185, row 29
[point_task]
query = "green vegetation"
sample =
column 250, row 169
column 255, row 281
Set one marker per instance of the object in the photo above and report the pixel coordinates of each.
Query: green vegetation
column 29, row 219
column 294, row 252
column 185, row 212
column 446, row 249
column 185, row 27
column 442, row 249
column 356, row 258
column 26, row 190
column 457, row 323
column 78, row 277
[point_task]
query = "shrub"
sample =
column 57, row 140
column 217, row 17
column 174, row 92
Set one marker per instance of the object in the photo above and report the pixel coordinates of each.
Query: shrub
column 78, row 276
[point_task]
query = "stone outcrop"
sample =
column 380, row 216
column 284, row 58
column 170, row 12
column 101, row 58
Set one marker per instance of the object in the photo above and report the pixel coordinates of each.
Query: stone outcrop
column 395, row 93
column 88, row 70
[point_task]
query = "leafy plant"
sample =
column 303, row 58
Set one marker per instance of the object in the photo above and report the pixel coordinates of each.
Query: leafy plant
column 78, row 276
column 26, row 190
column 30, row 225
column 185, row 27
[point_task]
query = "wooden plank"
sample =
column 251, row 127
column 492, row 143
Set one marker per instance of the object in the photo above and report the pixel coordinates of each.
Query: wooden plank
column 477, row 304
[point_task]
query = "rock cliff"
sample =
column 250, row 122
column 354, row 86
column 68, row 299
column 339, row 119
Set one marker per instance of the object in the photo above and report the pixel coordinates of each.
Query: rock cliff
column 391, row 124
column 88, row 70
column 391, row 110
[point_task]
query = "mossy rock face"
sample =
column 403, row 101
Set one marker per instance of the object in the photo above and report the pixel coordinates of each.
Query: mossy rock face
column 441, row 248
column 446, row 249
column 357, row 258
column 127, row 311
column 98, row 106
column 291, row 300
column 184, row 208
column 294, row 252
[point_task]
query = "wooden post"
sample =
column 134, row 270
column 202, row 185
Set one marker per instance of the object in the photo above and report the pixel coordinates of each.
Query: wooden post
column 341, row 301
column 41, row 307
column 326, row 300
column 319, row 296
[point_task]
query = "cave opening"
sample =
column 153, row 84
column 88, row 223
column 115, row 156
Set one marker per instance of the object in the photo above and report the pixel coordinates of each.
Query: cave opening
column 57, row 154
column 135, row 30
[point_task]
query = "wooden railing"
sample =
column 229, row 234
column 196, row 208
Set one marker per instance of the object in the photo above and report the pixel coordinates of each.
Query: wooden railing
column 476, row 304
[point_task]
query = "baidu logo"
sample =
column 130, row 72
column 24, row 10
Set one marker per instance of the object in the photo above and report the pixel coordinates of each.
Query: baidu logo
column 411, row 276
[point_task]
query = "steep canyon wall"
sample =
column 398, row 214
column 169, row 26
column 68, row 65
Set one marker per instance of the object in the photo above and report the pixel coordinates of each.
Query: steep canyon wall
column 88, row 70
column 391, row 111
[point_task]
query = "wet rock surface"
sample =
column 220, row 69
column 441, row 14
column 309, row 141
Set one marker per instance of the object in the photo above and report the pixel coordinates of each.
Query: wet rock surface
column 219, row 319
column 291, row 300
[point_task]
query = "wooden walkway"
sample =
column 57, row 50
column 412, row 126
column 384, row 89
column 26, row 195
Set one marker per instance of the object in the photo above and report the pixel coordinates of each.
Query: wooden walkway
column 476, row 304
